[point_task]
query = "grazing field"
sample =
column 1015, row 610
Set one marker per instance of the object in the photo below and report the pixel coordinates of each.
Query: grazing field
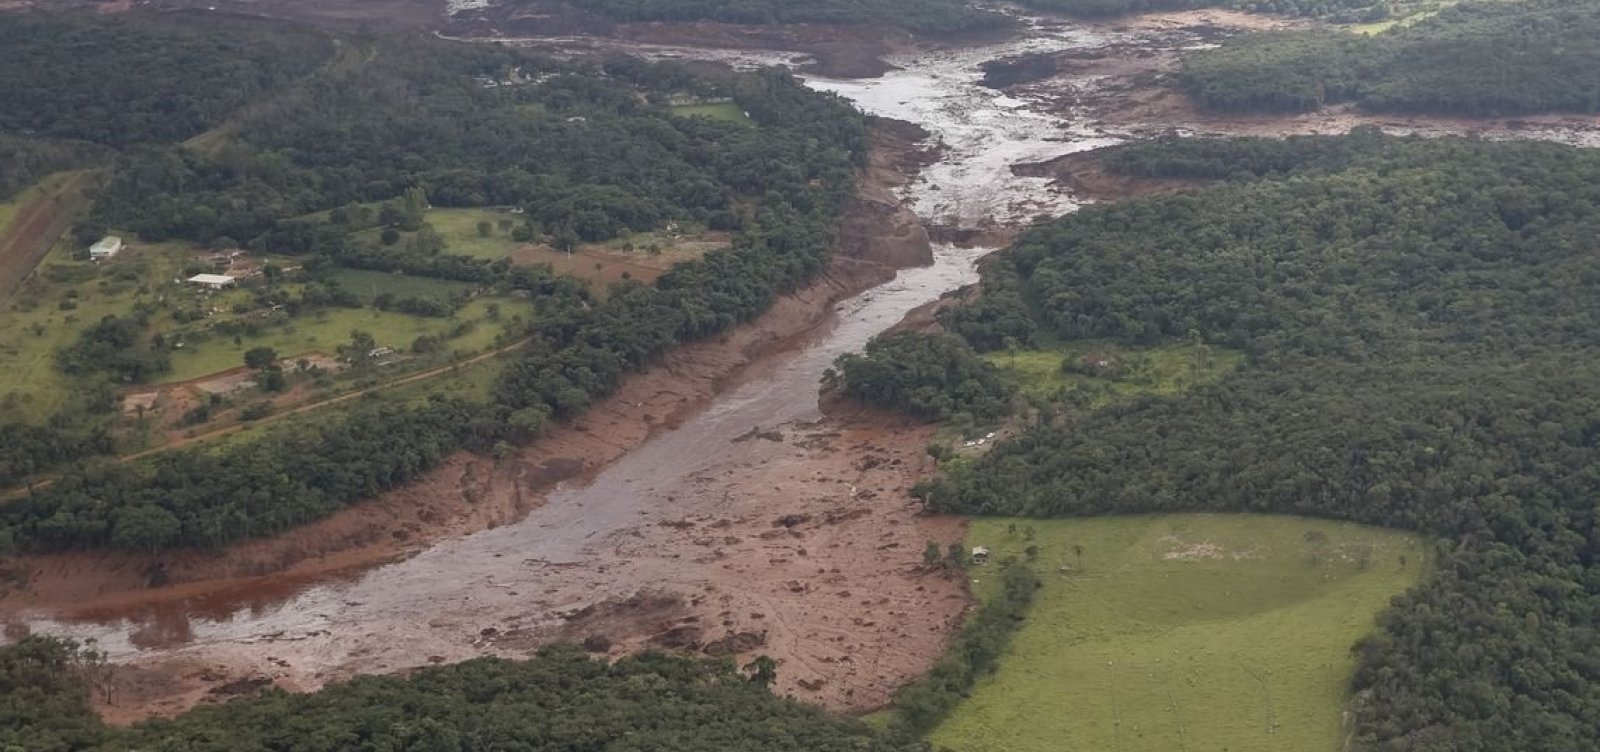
column 1182, row 632
column 368, row 285
column 61, row 301
column 1106, row 373
column 728, row 112
column 326, row 330
column 459, row 228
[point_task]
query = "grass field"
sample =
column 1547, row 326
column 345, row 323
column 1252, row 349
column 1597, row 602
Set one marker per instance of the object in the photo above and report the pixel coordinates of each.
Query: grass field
column 1128, row 372
column 370, row 284
column 459, row 228
column 728, row 112
column 36, row 325
column 1183, row 632
column 327, row 329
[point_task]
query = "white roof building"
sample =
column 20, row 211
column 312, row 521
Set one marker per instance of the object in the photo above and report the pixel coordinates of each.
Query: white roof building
column 213, row 281
column 107, row 247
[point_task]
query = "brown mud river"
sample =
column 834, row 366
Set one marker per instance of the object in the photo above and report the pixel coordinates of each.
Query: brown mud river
column 755, row 525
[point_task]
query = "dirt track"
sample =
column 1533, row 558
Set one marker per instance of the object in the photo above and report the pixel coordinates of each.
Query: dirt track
column 36, row 228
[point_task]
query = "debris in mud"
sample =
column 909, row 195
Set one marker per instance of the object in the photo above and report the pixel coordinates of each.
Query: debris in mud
column 791, row 520
column 757, row 433
column 733, row 644
column 686, row 637
column 812, row 685
column 240, row 688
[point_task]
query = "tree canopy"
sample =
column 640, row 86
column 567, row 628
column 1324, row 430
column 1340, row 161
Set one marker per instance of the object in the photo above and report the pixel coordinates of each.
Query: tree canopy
column 557, row 702
column 1420, row 322
column 1473, row 58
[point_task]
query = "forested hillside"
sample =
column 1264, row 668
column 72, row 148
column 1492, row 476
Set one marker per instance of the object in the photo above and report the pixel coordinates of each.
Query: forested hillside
column 1419, row 319
column 916, row 15
column 557, row 702
column 581, row 154
column 69, row 82
column 1475, row 58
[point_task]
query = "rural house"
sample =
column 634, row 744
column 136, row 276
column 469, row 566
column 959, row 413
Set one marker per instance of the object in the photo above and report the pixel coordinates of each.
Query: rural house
column 107, row 247
column 212, row 281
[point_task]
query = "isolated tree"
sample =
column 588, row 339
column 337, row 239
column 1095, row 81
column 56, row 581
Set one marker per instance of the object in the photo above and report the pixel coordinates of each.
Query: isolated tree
column 1077, row 550
column 954, row 556
column 764, row 670
column 358, row 352
column 257, row 358
column 485, row 228
column 931, row 554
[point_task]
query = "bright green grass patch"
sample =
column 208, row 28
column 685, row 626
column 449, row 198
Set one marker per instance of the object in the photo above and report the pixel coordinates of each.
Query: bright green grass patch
column 1198, row 632
column 36, row 324
column 728, row 112
column 459, row 228
column 368, row 285
column 1104, row 374
column 326, row 330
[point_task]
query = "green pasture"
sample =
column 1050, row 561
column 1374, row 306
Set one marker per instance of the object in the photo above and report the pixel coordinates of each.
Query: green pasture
column 459, row 228
column 728, row 112
column 325, row 330
column 1126, row 373
column 65, row 297
column 1182, row 632
column 368, row 285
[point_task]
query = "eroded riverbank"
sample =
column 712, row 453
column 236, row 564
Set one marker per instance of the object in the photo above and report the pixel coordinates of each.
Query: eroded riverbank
column 710, row 505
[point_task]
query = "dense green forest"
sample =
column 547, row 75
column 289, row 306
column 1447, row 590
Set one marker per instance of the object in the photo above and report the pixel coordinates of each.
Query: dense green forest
column 139, row 79
column 1419, row 318
column 558, row 702
column 1474, row 58
column 585, row 153
column 935, row 377
column 934, row 16
column 68, row 83
column 1339, row 11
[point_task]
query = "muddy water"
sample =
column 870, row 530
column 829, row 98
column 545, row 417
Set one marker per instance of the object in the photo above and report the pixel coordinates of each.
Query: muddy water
column 434, row 605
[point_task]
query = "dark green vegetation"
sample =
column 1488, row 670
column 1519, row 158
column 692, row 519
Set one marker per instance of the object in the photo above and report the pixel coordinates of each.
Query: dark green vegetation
column 916, row 15
column 975, row 653
column 1341, row 11
column 932, row 376
column 1419, row 320
column 558, row 702
column 338, row 170
column 1475, row 58
column 68, row 84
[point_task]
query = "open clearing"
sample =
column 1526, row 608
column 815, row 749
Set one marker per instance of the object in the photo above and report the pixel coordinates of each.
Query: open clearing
column 459, row 228
column 728, row 112
column 1175, row 632
column 1107, row 373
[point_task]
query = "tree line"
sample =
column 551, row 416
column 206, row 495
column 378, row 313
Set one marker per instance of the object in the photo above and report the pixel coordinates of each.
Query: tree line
column 1473, row 58
column 1419, row 318
column 558, row 701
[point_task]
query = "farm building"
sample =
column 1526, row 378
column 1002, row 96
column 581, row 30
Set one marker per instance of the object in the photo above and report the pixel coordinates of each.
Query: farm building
column 212, row 281
column 107, row 247
column 980, row 555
